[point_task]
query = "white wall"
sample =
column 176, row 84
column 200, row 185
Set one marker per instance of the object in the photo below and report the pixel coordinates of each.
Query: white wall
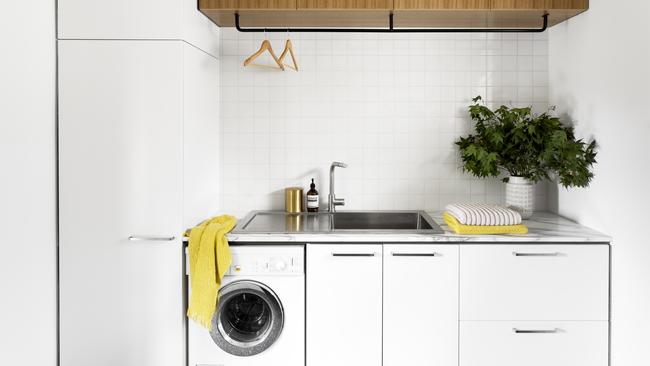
column 27, row 184
column 600, row 78
column 388, row 105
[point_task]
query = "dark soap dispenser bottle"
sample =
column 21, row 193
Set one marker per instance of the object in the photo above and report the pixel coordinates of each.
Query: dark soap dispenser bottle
column 312, row 198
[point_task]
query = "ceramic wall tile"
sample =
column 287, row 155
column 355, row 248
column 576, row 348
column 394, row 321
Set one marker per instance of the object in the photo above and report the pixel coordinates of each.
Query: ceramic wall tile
column 390, row 105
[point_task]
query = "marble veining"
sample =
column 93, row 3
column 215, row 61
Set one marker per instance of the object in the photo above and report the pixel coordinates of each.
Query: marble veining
column 543, row 227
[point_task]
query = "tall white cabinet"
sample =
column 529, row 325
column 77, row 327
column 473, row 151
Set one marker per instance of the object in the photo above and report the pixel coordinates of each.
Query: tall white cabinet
column 138, row 164
column 131, row 114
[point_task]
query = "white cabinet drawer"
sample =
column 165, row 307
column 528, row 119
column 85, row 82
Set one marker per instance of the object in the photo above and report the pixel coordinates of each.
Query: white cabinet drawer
column 534, row 282
column 534, row 343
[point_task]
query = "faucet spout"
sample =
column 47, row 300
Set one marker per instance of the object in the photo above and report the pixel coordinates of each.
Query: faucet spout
column 332, row 200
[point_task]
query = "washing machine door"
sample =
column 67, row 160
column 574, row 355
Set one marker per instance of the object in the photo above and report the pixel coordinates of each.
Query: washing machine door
column 249, row 318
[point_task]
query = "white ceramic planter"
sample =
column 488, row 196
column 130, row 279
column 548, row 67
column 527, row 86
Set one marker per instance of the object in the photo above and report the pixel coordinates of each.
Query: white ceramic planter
column 520, row 196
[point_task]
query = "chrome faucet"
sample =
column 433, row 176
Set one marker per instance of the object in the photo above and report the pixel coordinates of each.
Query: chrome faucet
column 333, row 201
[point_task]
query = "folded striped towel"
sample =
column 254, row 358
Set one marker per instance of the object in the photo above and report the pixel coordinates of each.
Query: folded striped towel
column 459, row 228
column 479, row 214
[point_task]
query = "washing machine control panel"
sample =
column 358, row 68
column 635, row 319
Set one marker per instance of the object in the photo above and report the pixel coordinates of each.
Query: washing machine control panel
column 266, row 263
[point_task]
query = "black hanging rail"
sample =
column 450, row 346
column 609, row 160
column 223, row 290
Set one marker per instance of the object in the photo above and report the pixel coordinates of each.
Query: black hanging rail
column 391, row 29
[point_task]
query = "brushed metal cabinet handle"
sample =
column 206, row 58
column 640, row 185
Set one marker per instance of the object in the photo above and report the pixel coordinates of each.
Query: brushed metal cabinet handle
column 353, row 254
column 151, row 238
column 536, row 331
column 415, row 254
column 519, row 254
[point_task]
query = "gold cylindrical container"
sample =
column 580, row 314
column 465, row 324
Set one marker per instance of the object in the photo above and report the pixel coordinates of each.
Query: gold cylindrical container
column 293, row 199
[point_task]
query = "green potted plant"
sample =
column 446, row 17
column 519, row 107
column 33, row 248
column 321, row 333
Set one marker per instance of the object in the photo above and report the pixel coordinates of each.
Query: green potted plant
column 528, row 148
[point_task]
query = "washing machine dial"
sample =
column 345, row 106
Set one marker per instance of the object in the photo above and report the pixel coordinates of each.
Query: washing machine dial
column 280, row 265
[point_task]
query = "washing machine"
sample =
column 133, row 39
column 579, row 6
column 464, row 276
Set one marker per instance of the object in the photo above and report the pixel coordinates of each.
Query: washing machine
column 260, row 315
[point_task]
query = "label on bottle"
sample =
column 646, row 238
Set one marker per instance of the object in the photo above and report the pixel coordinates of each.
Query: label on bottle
column 312, row 201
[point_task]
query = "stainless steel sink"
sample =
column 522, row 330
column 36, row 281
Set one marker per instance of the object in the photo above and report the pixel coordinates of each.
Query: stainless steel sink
column 381, row 221
column 392, row 222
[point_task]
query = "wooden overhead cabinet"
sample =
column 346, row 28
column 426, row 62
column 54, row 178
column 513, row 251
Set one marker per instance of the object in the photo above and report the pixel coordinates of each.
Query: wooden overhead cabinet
column 345, row 13
column 249, row 4
column 254, row 13
column 538, row 4
column 345, row 4
column 441, row 13
column 526, row 13
column 442, row 4
column 375, row 13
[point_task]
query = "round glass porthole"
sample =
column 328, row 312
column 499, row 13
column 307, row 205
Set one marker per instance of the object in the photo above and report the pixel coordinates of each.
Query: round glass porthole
column 248, row 320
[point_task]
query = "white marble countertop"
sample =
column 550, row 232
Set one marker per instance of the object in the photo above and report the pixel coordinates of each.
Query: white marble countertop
column 543, row 227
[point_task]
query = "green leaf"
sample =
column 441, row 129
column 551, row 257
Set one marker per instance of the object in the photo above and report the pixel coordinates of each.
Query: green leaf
column 520, row 143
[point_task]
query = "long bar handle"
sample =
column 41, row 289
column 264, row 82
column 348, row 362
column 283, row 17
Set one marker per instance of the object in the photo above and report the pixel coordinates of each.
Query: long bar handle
column 518, row 254
column 353, row 254
column 415, row 254
column 151, row 238
column 536, row 331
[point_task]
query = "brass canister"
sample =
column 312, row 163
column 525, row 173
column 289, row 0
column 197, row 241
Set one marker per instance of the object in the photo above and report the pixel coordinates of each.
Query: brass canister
column 293, row 199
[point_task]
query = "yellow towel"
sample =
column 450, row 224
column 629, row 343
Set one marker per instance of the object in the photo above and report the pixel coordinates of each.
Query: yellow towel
column 475, row 229
column 210, row 259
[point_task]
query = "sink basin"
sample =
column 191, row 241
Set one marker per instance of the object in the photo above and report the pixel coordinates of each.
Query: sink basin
column 398, row 221
column 391, row 222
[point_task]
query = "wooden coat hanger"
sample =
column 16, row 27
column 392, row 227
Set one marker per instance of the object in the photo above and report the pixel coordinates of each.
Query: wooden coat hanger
column 266, row 46
column 288, row 48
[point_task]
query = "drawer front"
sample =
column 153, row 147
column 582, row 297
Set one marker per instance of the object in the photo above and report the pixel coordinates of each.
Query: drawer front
column 534, row 282
column 534, row 343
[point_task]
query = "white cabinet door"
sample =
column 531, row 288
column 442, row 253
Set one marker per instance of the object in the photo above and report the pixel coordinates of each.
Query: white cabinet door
column 120, row 154
column 141, row 19
column 421, row 305
column 201, row 148
column 583, row 343
column 534, row 282
column 344, row 294
column 119, row 19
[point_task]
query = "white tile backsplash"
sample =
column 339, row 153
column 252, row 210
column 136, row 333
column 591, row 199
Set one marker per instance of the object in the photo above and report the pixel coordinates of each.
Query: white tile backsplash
column 389, row 105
